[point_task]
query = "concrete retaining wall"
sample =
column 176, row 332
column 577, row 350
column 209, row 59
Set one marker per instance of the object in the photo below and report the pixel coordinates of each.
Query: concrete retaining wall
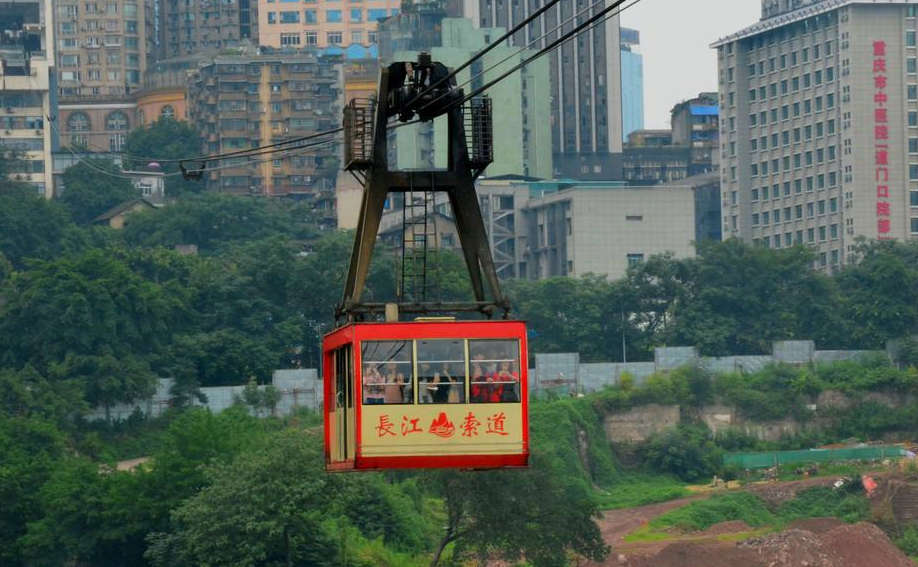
column 296, row 388
column 554, row 370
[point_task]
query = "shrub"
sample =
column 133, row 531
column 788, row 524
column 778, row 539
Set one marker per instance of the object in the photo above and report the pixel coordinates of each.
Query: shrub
column 686, row 452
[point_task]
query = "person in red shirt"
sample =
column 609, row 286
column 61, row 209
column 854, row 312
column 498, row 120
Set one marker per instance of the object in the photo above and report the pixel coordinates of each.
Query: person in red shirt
column 506, row 383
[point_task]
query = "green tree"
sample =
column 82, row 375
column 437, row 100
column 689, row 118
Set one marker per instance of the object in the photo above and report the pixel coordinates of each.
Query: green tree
column 686, row 452
column 569, row 315
column 89, row 193
column 219, row 358
column 268, row 508
column 90, row 305
column 740, row 298
column 537, row 514
column 213, row 221
column 879, row 293
column 26, row 393
column 30, row 225
column 30, row 449
column 6, row 268
column 90, row 515
column 165, row 139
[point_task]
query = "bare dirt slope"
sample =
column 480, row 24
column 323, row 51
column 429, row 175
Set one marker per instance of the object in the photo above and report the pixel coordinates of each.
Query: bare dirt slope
column 858, row 545
column 817, row 542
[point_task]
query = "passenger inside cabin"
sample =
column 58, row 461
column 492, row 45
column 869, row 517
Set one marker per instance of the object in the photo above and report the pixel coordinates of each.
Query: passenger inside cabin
column 372, row 386
column 483, row 388
column 455, row 390
column 393, row 385
column 509, row 382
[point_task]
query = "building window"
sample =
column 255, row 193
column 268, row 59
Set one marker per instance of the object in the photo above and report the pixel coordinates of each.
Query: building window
column 310, row 17
column 914, row 226
column 635, row 259
column 357, row 37
column 167, row 112
column 272, row 17
column 78, row 122
column 312, row 38
column 376, row 14
column 913, row 198
column 116, row 142
column 289, row 39
column 910, row 38
column 333, row 16
column 913, row 172
column 290, row 17
column 116, row 121
column 334, row 38
column 356, row 15
column 912, row 92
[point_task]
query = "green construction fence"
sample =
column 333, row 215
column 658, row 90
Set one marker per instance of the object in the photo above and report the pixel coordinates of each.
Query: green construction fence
column 772, row 458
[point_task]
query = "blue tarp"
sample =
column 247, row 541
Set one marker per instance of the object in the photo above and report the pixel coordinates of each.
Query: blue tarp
column 705, row 111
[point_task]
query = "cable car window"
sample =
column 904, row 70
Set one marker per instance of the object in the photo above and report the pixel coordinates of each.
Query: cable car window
column 441, row 371
column 495, row 370
column 387, row 372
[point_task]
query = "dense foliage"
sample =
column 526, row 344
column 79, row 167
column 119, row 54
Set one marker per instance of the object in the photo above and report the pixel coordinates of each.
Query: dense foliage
column 90, row 316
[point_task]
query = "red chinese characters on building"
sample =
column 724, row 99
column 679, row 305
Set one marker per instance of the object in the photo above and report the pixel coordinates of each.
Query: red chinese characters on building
column 881, row 137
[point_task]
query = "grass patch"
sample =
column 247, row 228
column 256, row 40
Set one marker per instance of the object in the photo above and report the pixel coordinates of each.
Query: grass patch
column 632, row 490
column 703, row 514
column 848, row 505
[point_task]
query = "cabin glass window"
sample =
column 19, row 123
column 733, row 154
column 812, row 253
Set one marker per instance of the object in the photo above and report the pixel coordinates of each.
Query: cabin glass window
column 387, row 374
column 495, row 371
column 441, row 371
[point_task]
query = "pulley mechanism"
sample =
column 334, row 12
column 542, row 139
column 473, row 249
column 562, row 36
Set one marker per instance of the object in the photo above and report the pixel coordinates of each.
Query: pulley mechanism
column 423, row 93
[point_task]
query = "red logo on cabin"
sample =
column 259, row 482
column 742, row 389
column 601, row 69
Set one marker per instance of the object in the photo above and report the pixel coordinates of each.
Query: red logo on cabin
column 442, row 426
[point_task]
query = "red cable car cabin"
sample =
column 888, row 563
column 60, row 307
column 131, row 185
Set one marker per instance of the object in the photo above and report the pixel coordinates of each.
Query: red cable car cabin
column 426, row 394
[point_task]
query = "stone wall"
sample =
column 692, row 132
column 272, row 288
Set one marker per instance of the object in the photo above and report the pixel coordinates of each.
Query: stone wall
column 640, row 423
column 565, row 369
column 296, row 388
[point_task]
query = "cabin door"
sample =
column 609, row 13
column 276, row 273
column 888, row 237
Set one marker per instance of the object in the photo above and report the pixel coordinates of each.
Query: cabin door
column 344, row 404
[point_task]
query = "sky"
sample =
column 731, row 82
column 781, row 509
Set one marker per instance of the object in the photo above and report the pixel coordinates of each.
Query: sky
column 675, row 40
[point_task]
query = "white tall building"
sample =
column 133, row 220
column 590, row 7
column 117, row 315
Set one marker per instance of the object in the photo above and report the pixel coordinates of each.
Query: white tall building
column 819, row 125
column 27, row 91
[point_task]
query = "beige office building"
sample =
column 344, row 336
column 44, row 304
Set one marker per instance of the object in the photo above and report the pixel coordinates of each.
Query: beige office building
column 321, row 23
column 819, row 125
column 27, row 88
column 597, row 230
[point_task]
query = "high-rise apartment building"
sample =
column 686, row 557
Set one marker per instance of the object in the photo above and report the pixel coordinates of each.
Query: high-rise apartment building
column 819, row 125
column 187, row 27
column 239, row 102
column 321, row 23
column 586, row 99
column 28, row 89
column 632, row 82
column 103, row 47
column 522, row 135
